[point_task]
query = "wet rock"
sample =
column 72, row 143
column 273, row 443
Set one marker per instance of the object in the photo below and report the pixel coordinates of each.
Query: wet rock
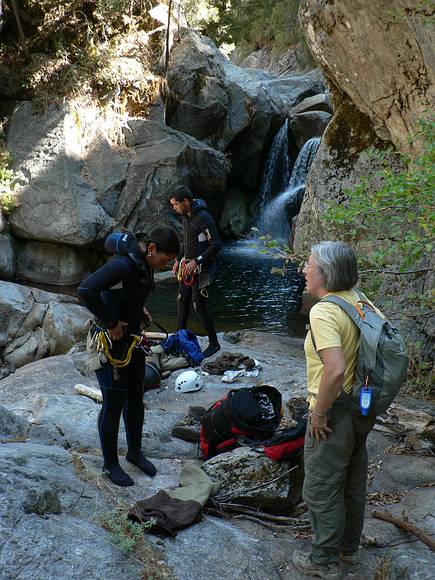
column 235, row 215
column 309, row 124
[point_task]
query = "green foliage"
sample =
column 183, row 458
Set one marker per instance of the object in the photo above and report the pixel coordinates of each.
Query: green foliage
column 247, row 24
column 396, row 219
column 8, row 200
column 96, row 49
column 126, row 535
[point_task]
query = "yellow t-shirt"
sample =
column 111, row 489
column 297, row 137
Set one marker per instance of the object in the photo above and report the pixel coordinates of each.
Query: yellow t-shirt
column 331, row 327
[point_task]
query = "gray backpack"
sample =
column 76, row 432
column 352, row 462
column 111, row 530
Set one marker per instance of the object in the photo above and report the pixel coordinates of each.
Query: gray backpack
column 382, row 359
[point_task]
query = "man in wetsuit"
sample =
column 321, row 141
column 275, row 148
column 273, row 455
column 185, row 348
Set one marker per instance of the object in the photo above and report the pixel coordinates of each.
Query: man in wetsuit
column 196, row 263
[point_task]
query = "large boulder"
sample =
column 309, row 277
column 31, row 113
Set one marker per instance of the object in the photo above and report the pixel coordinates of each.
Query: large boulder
column 57, row 201
column 204, row 103
column 37, row 324
column 231, row 108
column 162, row 159
column 54, row 264
column 390, row 80
column 251, row 479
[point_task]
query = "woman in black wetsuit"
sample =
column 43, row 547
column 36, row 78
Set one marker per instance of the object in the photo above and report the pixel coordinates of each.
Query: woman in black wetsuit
column 115, row 294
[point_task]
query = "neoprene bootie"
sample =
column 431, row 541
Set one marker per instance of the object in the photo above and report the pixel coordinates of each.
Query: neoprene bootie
column 118, row 476
column 139, row 459
column 212, row 348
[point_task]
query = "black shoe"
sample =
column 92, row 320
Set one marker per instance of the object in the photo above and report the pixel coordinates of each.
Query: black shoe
column 212, row 348
column 142, row 462
column 118, row 476
column 186, row 433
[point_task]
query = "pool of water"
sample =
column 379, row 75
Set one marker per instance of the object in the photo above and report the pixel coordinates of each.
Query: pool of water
column 245, row 295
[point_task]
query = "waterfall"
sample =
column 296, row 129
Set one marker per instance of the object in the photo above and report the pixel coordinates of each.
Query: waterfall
column 278, row 213
column 276, row 170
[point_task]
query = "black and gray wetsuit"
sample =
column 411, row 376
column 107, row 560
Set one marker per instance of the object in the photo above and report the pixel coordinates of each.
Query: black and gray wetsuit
column 200, row 241
column 117, row 291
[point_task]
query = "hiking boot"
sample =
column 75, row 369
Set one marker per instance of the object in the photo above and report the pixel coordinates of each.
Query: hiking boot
column 302, row 562
column 351, row 558
column 188, row 433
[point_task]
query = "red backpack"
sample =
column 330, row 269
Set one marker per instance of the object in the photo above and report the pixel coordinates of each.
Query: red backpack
column 252, row 413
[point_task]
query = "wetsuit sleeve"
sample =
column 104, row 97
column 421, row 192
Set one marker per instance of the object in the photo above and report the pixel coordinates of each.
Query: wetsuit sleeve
column 209, row 229
column 104, row 278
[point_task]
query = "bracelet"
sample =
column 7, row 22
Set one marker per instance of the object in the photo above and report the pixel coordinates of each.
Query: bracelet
column 318, row 414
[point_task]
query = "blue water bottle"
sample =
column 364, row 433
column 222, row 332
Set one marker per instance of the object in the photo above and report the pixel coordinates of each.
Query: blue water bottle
column 365, row 399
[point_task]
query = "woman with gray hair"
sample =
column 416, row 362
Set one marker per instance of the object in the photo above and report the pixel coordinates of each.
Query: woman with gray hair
column 335, row 444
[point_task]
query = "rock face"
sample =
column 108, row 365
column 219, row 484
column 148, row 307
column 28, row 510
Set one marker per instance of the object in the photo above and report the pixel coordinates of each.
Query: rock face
column 341, row 162
column 391, row 80
column 38, row 324
column 162, row 159
column 7, row 257
column 54, row 264
column 57, row 202
column 232, row 109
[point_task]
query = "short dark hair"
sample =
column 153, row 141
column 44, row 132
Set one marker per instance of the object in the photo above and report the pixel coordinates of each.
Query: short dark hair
column 164, row 237
column 338, row 265
column 180, row 193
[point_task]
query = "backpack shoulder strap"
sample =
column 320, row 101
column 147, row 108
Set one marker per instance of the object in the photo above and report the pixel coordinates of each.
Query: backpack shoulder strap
column 350, row 310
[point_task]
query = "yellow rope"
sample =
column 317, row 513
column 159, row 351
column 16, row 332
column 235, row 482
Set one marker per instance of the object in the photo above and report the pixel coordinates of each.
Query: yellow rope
column 103, row 346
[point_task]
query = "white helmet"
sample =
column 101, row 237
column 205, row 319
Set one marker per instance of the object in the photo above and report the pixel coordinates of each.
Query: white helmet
column 187, row 382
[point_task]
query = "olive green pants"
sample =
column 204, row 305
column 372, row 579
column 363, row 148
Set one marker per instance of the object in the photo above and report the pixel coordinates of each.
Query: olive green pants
column 335, row 484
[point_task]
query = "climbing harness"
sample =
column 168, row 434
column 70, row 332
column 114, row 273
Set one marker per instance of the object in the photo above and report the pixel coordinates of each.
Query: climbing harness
column 101, row 341
column 191, row 279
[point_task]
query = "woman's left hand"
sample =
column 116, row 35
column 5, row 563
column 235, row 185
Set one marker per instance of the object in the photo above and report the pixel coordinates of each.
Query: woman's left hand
column 319, row 427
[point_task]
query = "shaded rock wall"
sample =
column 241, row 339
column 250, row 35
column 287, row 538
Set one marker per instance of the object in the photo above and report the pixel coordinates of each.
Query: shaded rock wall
column 380, row 54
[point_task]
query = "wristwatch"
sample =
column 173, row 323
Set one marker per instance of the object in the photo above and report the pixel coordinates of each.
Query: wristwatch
column 199, row 259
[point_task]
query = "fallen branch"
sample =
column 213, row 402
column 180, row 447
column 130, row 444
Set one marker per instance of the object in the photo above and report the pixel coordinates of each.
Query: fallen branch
column 267, row 524
column 239, row 509
column 407, row 526
column 91, row 392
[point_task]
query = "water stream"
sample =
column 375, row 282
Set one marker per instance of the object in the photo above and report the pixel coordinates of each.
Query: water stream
column 277, row 214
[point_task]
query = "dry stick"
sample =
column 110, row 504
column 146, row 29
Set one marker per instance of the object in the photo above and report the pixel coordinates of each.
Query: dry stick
column 20, row 28
column 404, row 525
column 267, row 524
column 236, row 508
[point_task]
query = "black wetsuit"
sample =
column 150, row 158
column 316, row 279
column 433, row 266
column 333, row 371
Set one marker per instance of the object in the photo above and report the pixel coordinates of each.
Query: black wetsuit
column 117, row 291
column 200, row 238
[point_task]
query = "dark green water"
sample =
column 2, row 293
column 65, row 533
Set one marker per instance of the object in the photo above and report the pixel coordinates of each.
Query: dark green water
column 245, row 295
